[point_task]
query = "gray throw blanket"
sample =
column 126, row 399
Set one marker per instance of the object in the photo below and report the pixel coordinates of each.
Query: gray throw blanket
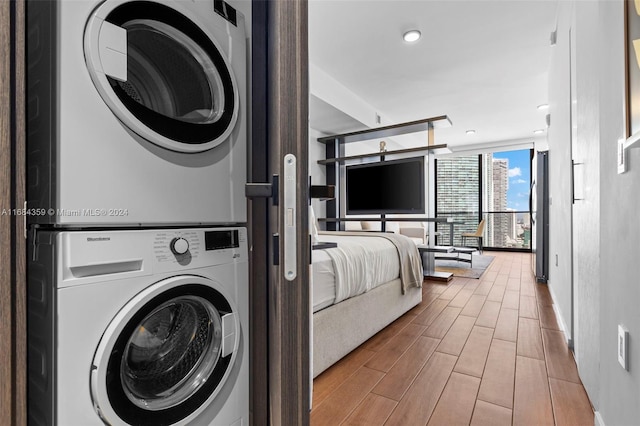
column 411, row 274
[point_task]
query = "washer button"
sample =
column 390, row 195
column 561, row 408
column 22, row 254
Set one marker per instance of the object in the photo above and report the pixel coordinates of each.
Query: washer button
column 179, row 246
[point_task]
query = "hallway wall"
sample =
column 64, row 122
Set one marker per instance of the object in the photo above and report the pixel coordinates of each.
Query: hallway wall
column 587, row 217
column 606, row 225
column 559, row 137
column 620, row 228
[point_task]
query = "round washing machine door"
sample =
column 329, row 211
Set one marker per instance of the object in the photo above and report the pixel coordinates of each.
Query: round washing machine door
column 162, row 74
column 167, row 354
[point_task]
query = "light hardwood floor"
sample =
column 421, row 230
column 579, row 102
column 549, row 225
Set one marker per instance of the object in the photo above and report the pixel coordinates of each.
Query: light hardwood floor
column 480, row 352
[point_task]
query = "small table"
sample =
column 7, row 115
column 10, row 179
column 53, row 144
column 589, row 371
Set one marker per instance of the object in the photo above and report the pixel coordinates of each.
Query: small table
column 458, row 251
column 429, row 267
column 465, row 250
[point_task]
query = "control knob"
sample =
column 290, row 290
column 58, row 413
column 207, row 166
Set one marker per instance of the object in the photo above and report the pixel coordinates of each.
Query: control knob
column 179, row 246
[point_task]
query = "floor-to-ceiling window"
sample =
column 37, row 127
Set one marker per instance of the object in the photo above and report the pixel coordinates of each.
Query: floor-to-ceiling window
column 458, row 183
column 492, row 186
column 508, row 191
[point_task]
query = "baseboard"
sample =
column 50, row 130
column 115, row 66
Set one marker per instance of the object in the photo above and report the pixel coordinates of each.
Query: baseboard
column 560, row 319
column 597, row 419
column 563, row 326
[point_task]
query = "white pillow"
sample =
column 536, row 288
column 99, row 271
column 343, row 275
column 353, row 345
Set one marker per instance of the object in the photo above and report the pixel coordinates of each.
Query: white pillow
column 352, row 226
column 370, row 225
column 393, row 227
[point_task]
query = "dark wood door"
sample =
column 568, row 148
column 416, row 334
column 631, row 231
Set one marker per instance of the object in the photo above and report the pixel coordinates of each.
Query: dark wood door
column 12, row 239
column 279, row 227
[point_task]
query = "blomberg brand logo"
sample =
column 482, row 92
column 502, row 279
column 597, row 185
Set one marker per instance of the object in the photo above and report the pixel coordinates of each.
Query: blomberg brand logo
column 90, row 239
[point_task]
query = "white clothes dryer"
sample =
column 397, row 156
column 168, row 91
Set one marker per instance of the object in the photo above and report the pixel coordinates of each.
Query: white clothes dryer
column 137, row 112
column 140, row 327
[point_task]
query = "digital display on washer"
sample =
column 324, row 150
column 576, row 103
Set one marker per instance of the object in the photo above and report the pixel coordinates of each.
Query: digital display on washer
column 216, row 240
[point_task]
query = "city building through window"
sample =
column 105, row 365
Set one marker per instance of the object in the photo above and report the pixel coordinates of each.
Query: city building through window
column 495, row 187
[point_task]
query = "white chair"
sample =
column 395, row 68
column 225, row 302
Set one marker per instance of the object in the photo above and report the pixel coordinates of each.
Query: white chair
column 417, row 231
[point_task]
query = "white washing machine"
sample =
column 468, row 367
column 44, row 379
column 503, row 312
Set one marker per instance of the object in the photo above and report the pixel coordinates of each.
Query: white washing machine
column 137, row 112
column 140, row 327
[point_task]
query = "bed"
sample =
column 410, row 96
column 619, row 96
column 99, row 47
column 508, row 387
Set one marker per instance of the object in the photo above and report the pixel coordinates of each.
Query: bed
column 358, row 288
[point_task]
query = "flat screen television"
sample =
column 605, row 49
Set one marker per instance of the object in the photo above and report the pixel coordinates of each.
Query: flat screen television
column 395, row 186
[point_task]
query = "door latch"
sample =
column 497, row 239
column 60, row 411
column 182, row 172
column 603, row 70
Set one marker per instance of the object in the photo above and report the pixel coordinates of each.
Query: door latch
column 290, row 229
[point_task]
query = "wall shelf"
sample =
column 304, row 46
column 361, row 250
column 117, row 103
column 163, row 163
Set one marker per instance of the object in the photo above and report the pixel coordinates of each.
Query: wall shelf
column 423, row 125
column 383, row 219
column 336, row 155
column 437, row 148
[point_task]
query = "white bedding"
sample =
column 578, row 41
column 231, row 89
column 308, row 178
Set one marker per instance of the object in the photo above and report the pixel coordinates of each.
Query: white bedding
column 324, row 280
column 366, row 263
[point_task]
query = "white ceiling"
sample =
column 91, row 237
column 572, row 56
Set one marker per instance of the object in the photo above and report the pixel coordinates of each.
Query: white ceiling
column 482, row 63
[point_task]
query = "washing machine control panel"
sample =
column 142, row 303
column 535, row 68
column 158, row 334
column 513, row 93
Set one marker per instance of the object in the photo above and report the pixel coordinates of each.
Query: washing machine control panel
column 192, row 248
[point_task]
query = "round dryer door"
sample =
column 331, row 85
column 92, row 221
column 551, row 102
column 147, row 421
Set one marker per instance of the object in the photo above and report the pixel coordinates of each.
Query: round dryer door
column 161, row 74
column 167, row 354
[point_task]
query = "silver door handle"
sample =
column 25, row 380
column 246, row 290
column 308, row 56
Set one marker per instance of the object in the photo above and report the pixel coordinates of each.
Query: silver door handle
column 573, row 182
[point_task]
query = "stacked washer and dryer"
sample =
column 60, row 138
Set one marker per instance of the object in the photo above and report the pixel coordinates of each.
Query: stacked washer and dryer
column 138, row 263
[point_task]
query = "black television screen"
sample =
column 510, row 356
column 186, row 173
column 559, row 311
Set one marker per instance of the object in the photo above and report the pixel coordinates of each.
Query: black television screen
column 386, row 187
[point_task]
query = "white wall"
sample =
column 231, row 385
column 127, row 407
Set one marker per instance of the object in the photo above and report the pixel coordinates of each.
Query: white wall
column 606, row 225
column 326, row 88
column 619, row 290
column 331, row 91
column 560, row 196
column 587, row 217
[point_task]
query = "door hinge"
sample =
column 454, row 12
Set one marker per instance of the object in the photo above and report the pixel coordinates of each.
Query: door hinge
column 263, row 190
column 322, row 192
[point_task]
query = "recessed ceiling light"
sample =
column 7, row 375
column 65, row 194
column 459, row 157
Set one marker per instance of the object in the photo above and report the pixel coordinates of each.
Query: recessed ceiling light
column 543, row 107
column 412, row 36
column 539, row 131
column 471, row 132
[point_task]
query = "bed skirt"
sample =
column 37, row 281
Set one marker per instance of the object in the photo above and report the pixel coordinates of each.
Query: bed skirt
column 340, row 328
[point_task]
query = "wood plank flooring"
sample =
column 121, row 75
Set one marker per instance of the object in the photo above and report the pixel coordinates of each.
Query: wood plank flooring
column 480, row 352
